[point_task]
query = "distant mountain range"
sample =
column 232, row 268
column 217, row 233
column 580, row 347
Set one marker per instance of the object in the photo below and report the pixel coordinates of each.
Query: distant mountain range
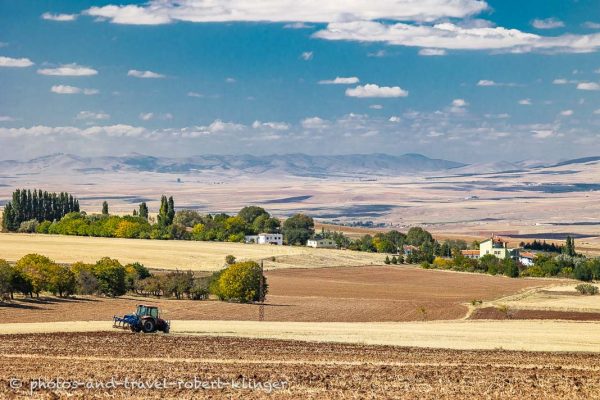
column 292, row 164
column 289, row 164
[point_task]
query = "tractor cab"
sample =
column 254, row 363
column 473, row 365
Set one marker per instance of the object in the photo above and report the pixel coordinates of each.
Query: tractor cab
column 143, row 311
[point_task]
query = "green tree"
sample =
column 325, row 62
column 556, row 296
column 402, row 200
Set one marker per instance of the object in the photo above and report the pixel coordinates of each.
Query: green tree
column 298, row 229
column 417, row 236
column 242, row 282
column 111, row 277
column 37, row 270
column 143, row 211
column 250, row 213
column 170, row 210
column 583, row 272
column 569, row 248
column 61, row 280
column 104, row 208
column 6, row 279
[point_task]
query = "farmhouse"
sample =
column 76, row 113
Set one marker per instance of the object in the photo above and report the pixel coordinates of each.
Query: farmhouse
column 409, row 249
column 526, row 258
column 265, row 238
column 474, row 254
column 496, row 247
column 322, row 243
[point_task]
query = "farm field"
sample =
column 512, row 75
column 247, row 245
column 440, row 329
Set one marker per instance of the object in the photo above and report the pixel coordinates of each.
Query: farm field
column 316, row 370
column 350, row 294
column 172, row 254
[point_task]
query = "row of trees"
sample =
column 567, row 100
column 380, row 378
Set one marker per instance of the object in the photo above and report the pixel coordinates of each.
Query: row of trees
column 34, row 274
column 28, row 205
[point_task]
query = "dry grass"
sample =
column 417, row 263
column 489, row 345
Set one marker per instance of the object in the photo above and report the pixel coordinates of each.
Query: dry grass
column 360, row 294
column 317, row 371
column 200, row 256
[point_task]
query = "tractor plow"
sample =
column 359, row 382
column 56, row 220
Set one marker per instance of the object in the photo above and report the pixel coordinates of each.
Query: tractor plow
column 146, row 319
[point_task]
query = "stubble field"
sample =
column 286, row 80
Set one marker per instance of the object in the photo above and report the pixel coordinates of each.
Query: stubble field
column 315, row 370
column 351, row 294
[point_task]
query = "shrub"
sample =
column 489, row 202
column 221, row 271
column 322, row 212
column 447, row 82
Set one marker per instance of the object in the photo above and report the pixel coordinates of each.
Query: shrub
column 229, row 259
column 587, row 289
column 111, row 277
column 583, row 272
column 387, row 260
column 29, row 226
column 394, row 260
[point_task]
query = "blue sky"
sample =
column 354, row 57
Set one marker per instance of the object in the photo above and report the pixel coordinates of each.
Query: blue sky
column 457, row 79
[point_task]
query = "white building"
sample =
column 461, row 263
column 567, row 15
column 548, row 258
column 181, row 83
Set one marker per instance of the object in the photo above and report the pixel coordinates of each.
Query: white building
column 322, row 243
column 265, row 238
column 527, row 258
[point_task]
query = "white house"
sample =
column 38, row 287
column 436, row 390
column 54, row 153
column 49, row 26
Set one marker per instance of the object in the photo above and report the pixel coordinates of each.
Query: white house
column 265, row 238
column 322, row 243
column 526, row 258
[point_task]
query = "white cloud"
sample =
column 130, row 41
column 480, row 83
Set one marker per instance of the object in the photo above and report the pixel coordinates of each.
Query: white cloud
column 144, row 74
column 146, row 116
column 591, row 25
column 314, row 123
column 341, row 81
column 165, row 11
column 68, row 70
column 525, row 102
column 372, row 90
column 277, row 126
column 459, row 103
column 195, row 94
column 376, row 107
column 543, row 133
column 230, row 80
column 307, row 55
column 548, row 23
column 90, row 115
column 588, row 86
column 15, row 62
column 450, row 36
column 566, row 113
column 597, row 112
column 66, row 89
column 394, row 119
column 432, row 52
column 41, row 130
column 485, row 82
column 298, row 25
column 6, row 118
column 59, row 17
column 560, row 81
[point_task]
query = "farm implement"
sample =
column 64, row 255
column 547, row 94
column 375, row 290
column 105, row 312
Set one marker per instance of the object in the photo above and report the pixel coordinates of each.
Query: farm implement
column 146, row 319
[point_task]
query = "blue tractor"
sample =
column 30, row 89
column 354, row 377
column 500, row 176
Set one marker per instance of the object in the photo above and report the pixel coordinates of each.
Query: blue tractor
column 146, row 319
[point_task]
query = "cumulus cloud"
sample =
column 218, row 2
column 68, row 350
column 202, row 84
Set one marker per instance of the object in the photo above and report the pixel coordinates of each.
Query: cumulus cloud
column 66, row 89
column 588, row 86
column 146, row 116
column 548, row 23
column 6, row 118
column 525, row 102
column 543, row 133
column 567, row 113
column 158, row 12
column 591, row 25
column 144, row 74
column 298, row 25
column 277, row 126
column 15, row 62
column 432, row 52
column 195, row 94
column 341, row 81
column 59, row 17
column 314, row 123
column 394, row 119
column 372, row 90
column 560, row 81
column 451, row 36
column 68, row 70
column 90, row 115
column 491, row 83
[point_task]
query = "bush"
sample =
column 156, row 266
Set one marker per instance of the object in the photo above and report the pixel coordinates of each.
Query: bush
column 111, row 277
column 387, row 260
column 241, row 282
column 29, row 226
column 583, row 272
column 587, row 289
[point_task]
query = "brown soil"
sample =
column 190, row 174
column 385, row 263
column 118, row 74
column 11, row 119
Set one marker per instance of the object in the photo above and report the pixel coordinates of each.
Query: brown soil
column 315, row 370
column 359, row 294
column 494, row 313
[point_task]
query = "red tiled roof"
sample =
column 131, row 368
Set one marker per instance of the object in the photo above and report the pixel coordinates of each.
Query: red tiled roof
column 470, row 252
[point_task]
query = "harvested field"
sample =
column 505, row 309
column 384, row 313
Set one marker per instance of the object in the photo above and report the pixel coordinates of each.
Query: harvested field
column 458, row 335
column 496, row 314
column 320, row 371
column 359, row 294
column 175, row 254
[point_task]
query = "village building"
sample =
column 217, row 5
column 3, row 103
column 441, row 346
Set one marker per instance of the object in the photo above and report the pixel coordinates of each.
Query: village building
column 473, row 254
column 527, row 258
column 265, row 238
column 322, row 243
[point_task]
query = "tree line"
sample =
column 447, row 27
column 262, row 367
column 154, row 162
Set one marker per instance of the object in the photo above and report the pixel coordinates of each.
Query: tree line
column 27, row 206
column 34, row 274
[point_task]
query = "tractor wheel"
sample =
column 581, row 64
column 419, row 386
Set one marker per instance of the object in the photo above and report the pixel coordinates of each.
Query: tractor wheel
column 149, row 326
column 135, row 329
column 166, row 329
